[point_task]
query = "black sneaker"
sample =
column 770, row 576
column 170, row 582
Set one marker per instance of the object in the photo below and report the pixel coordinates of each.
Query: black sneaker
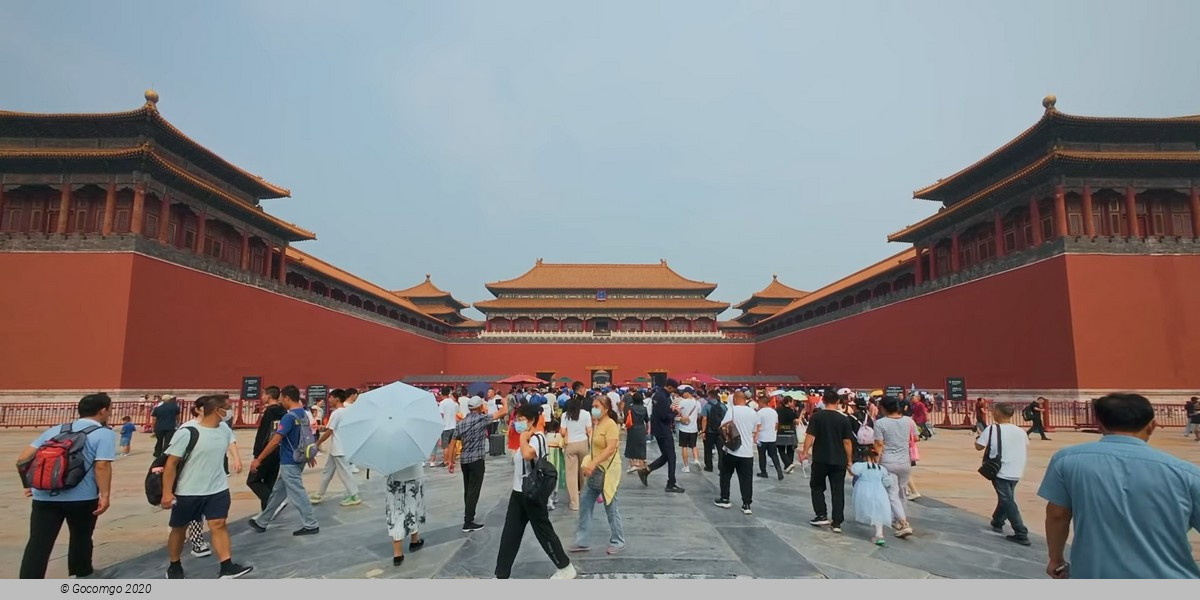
column 417, row 545
column 174, row 571
column 819, row 521
column 674, row 489
column 472, row 526
column 708, row 469
column 255, row 526
column 233, row 571
column 1017, row 539
column 763, row 475
column 746, row 509
column 643, row 474
column 722, row 503
column 307, row 531
column 781, row 475
column 998, row 529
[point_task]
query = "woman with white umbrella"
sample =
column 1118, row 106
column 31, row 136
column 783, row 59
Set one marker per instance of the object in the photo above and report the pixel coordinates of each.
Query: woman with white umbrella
column 393, row 429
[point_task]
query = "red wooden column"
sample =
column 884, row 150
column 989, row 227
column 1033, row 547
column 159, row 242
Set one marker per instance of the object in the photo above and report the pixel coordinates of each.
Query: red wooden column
column 246, row 253
column 1035, row 220
column 1060, row 212
column 110, row 209
column 999, row 234
column 561, row 325
column 954, row 262
column 2, row 207
column 1195, row 204
column 137, row 218
column 714, row 324
column 690, row 325
column 919, row 268
column 1089, row 226
column 1131, row 212
column 283, row 263
column 201, row 220
column 643, row 325
column 164, row 217
column 933, row 274
column 266, row 268
column 64, row 208
column 536, row 325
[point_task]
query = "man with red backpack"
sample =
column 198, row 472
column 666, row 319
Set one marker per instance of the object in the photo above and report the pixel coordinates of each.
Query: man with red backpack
column 69, row 468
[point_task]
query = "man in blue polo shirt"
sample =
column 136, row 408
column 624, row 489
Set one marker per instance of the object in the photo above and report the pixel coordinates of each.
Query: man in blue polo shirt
column 289, row 486
column 1132, row 506
column 78, row 506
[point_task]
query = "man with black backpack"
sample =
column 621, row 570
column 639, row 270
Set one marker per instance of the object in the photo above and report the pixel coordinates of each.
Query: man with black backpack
column 296, row 445
column 194, row 485
column 711, row 416
column 69, row 468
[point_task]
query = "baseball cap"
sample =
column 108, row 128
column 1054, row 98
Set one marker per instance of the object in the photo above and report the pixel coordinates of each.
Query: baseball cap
column 686, row 388
column 474, row 402
column 844, row 392
column 166, row 397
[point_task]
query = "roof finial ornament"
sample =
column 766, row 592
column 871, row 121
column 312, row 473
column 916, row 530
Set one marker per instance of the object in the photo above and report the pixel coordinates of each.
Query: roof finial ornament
column 774, row 276
column 662, row 261
column 151, row 97
column 539, row 261
column 427, row 277
column 1048, row 102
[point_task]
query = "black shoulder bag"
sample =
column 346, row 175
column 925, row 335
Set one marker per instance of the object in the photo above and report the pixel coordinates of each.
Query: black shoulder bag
column 991, row 466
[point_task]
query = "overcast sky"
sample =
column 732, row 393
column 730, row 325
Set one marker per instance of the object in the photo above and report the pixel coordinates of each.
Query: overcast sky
column 735, row 140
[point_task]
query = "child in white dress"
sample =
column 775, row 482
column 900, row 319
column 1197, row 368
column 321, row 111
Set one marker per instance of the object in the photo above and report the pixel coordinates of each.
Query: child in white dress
column 871, row 504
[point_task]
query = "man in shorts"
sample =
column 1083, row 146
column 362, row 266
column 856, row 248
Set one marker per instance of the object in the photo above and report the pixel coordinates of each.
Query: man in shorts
column 200, row 487
column 689, row 427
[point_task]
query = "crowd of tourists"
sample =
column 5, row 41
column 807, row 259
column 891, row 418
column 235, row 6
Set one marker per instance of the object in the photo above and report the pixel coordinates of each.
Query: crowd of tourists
column 570, row 440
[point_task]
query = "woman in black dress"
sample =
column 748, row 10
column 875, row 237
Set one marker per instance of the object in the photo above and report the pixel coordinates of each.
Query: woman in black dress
column 636, row 419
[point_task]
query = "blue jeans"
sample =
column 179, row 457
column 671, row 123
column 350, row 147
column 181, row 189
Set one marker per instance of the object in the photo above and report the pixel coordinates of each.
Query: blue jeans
column 587, row 502
column 289, row 486
column 1006, row 507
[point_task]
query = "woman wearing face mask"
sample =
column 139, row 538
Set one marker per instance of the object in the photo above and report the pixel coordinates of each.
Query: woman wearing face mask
column 529, row 424
column 602, row 473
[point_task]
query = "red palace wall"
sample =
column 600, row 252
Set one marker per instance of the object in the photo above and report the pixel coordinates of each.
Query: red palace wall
column 62, row 320
column 126, row 321
column 1011, row 330
column 572, row 360
column 1136, row 321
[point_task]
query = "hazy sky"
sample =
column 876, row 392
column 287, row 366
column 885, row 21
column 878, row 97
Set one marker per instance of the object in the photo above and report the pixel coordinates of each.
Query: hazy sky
column 736, row 140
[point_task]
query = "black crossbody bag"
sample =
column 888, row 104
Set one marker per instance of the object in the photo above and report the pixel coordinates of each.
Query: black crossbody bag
column 991, row 466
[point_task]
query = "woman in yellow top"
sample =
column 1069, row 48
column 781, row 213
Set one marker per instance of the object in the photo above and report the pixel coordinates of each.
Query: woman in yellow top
column 604, row 464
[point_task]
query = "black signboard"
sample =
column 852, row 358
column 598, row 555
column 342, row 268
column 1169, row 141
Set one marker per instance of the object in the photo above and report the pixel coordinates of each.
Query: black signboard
column 316, row 395
column 956, row 388
column 894, row 391
column 252, row 387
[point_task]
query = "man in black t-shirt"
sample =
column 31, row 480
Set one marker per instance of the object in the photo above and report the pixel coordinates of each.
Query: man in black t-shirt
column 786, row 440
column 263, row 480
column 831, row 442
column 166, row 419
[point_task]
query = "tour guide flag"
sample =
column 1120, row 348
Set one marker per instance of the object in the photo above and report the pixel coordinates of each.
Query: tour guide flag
column 390, row 428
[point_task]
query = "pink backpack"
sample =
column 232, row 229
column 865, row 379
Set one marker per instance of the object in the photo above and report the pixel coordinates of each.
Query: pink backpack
column 866, row 434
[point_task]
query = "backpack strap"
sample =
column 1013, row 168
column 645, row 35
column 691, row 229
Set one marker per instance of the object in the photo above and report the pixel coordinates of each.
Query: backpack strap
column 89, row 429
column 191, row 445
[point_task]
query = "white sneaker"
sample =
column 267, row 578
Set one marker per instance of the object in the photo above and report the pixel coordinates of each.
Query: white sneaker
column 567, row 572
column 204, row 551
column 791, row 467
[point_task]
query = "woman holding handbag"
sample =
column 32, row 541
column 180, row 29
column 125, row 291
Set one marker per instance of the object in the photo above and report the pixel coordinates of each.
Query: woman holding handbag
column 602, row 475
column 893, row 443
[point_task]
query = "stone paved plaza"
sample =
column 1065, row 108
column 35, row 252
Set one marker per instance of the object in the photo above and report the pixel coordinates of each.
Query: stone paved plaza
column 669, row 535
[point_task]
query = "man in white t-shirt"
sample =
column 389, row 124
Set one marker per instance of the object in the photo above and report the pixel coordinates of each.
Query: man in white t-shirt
column 740, row 459
column 336, row 461
column 688, row 426
column 463, row 401
column 200, row 489
column 768, row 421
column 1013, row 446
column 449, row 409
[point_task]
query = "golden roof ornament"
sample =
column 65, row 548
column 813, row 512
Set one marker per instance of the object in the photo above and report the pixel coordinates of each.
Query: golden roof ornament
column 151, row 97
column 1048, row 102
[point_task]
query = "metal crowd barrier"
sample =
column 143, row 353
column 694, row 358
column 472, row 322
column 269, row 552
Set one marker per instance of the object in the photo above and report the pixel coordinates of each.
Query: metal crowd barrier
column 246, row 413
